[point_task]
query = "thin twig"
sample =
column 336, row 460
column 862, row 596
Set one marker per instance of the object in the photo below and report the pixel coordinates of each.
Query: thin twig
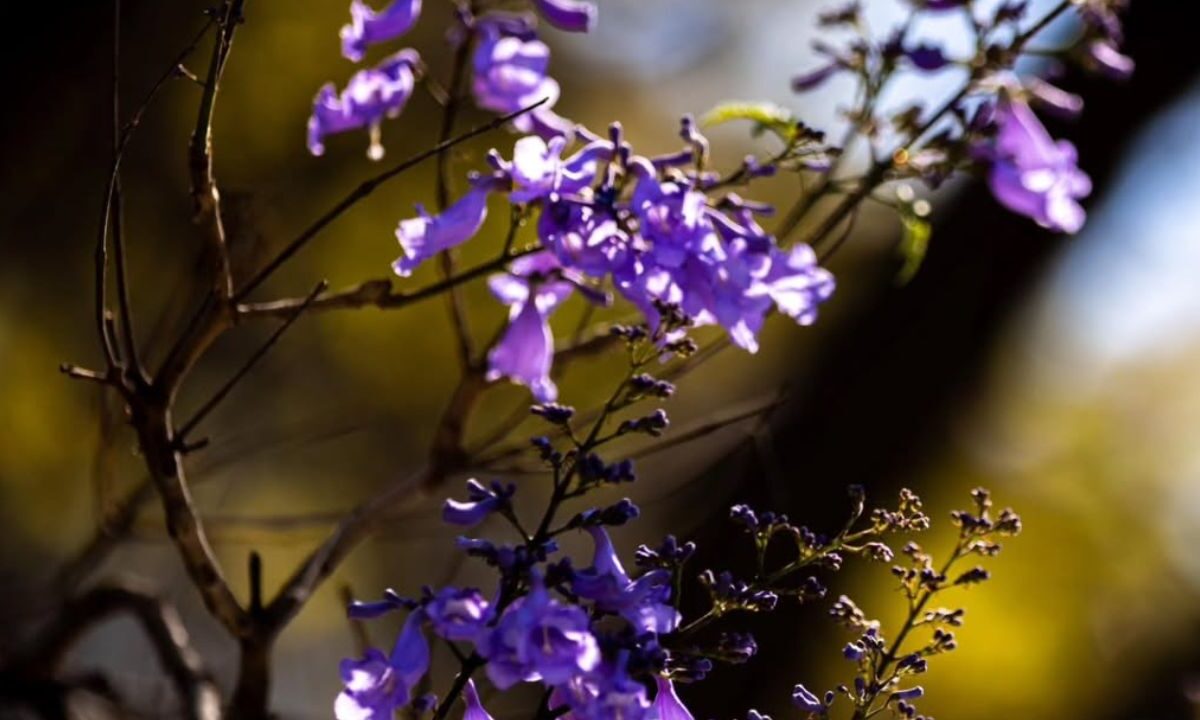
column 253, row 360
column 366, row 188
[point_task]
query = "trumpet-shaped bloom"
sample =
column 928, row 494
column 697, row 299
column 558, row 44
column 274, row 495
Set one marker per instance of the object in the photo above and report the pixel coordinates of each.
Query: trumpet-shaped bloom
column 1032, row 174
column 481, row 502
column 642, row 602
column 475, row 709
column 525, row 353
column 667, row 705
column 539, row 638
column 458, row 614
column 511, row 72
column 377, row 685
column 368, row 27
column 427, row 235
column 370, row 96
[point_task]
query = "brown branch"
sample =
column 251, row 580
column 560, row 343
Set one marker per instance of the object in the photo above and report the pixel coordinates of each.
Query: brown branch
column 366, row 188
column 246, row 367
column 197, row 691
column 206, row 199
column 376, row 293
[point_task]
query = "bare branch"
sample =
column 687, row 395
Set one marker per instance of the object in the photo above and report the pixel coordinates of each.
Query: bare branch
column 377, row 293
column 253, row 360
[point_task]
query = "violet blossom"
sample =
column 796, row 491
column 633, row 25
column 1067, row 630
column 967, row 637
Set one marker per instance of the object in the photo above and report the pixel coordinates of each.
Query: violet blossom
column 667, row 705
column 427, row 235
column 475, row 709
column 644, row 602
column 539, row 638
column 369, row 27
column 481, row 502
column 569, row 15
column 525, row 352
column 510, row 73
column 370, row 96
column 456, row 614
column 377, row 685
column 1032, row 174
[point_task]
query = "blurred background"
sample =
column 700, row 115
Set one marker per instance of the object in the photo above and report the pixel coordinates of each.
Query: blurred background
column 1063, row 373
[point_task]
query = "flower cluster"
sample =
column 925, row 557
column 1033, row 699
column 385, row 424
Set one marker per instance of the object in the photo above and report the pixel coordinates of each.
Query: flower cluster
column 991, row 122
column 647, row 227
column 509, row 68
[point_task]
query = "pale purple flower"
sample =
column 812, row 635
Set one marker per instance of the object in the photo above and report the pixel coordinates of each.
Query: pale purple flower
column 481, row 502
column 569, row 15
column 644, row 602
column 1032, row 174
column 475, row 709
column 369, row 27
column 510, row 73
column 377, row 685
column 796, row 284
column 667, row 705
column 533, row 290
column 539, row 638
column 805, row 700
column 370, row 96
column 607, row 693
column 458, row 614
column 427, row 235
column 1104, row 57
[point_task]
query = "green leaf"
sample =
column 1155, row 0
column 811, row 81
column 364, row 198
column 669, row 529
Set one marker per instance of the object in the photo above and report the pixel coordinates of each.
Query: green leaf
column 913, row 245
column 765, row 116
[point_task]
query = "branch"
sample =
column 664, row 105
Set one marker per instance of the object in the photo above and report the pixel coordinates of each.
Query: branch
column 377, row 293
column 253, row 360
column 206, row 200
column 194, row 684
column 366, row 188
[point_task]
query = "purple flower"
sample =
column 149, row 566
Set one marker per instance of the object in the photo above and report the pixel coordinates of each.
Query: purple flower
column 458, row 614
column 539, row 638
column 608, row 693
column 806, row 701
column 569, row 15
column 1104, row 58
column 815, row 78
column 377, row 685
column 525, row 353
column 369, row 27
column 667, row 705
column 424, row 236
column 1032, row 174
column 1053, row 99
column 475, row 709
column 510, row 73
column 642, row 602
column 481, row 503
column 369, row 97
column 796, row 284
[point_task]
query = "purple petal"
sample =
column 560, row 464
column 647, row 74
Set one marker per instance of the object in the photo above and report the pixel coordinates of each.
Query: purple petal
column 423, row 237
column 475, row 710
column 569, row 15
column 667, row 704
column 369, row 27
column 525, row 353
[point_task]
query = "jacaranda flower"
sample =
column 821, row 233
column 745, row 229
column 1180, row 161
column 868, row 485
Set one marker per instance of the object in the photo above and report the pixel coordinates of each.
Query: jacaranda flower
column 369, row 97
column 481, row 502
column 369, row 27
column 644, row 602
column 569, row 15
column 607, row 693
column 475, row 709
column 377, row 685
column 458, row 614
column 511, row 68
column 667, row 705
column 805, row 700
column 539, row 638
column 427, row 235
column 525, row 353
column 1032, row 174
